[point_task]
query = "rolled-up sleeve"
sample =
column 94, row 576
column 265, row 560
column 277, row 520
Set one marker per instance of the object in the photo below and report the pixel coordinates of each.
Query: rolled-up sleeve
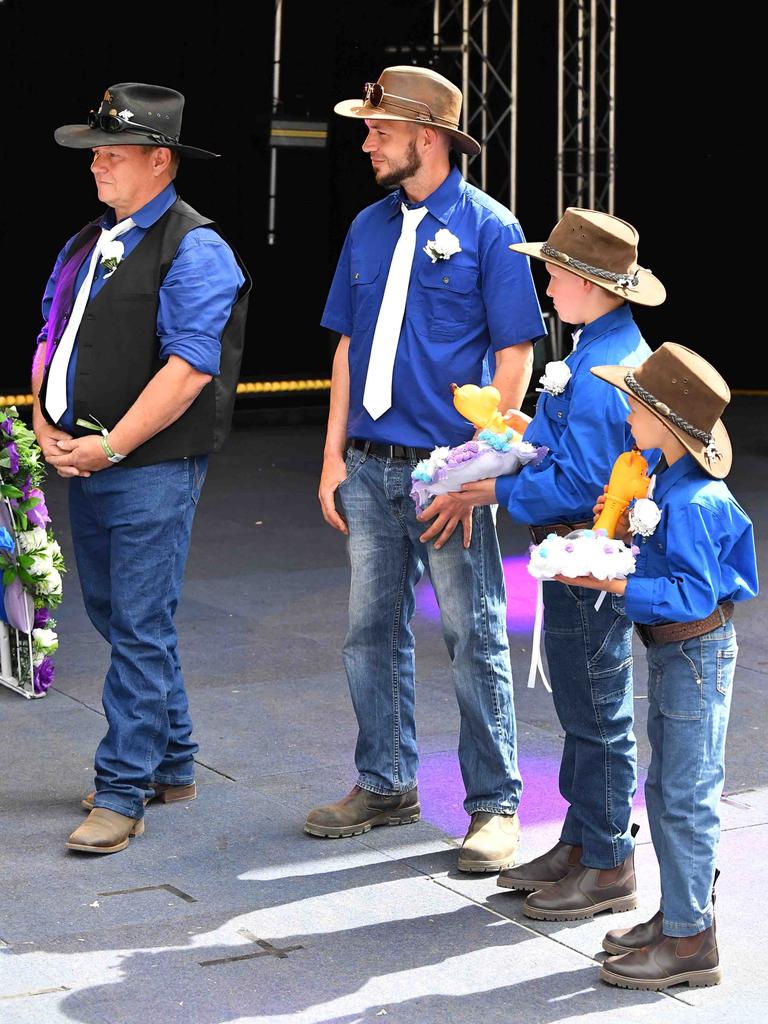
column 196, row 299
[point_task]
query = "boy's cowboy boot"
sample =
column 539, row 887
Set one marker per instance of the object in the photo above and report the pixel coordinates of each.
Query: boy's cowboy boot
column 667, row 961
column 359, row 811
column 625, row 940
column 104, row 831
column 584, row 892
column 491, row 842
column 162, row 793
column 544, row 870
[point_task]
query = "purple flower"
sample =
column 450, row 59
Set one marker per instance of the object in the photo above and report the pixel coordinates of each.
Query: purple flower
column 43, row 675
column 13, row 455
column 38, row 514
column 7, row 426
column 41, row 617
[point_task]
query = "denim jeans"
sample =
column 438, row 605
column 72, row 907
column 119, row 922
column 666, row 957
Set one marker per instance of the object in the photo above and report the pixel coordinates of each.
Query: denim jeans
column 689, row 700
column 131, row 529
column 387, row 562
column 589, row 654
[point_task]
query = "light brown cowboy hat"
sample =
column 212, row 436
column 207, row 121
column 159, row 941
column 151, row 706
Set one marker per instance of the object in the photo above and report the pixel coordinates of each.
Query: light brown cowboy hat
column 687, row 394
column 413, row 94
column 602, row 249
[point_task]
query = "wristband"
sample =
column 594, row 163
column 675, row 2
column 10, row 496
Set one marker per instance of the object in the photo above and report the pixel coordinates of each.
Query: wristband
column 113, row 457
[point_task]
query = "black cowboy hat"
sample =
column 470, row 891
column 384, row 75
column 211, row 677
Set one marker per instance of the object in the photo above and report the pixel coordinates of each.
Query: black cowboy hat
column 132, row 114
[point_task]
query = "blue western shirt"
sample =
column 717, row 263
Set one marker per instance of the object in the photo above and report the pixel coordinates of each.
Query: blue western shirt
column 458, row 309
column 584, row 428
column 701, row 553
column 196, row 297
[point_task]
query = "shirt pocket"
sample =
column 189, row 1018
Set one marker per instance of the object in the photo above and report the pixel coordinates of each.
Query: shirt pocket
column 365, row 288
column 448, row 299
column 556, row 408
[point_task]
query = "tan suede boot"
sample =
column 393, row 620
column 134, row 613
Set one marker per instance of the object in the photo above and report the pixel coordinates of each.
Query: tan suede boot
column 104, row 831
column 491, row 842
column 162, row 794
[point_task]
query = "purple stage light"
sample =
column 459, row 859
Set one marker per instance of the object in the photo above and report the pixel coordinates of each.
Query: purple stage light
column 521, row 596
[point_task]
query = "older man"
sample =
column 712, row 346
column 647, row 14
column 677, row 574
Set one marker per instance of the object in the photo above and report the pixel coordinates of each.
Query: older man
column 425, row 289
column 134, row 382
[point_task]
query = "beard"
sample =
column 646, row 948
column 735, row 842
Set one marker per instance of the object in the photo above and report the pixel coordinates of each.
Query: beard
column 411, row 164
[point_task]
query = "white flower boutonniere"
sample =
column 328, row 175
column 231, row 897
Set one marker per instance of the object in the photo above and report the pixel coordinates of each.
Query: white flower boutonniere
column 644, row 516
column 555, row 377
column 442, row 246
column 112, row 256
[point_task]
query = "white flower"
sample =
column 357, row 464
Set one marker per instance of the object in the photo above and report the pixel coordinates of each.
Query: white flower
column 644, row 516
column 32, row 540
column 45, row 640
column 42, row 563
column 443, row 246
column 51, row 584
column 555, row 377
column 112, row 256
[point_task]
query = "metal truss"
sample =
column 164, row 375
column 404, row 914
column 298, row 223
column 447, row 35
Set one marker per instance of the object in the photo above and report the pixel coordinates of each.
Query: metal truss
column 477, row 40
column 586, row 107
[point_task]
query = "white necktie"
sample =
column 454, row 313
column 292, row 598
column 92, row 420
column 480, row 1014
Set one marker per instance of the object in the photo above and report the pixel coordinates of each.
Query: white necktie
column 56, row 392
column 377, row 397
column 576, row 335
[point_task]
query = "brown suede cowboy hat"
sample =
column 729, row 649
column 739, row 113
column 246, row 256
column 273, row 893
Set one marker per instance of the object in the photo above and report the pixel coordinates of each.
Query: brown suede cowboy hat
column 413, row 94
column 602, row 249
column 687, row 394
column 133, row 114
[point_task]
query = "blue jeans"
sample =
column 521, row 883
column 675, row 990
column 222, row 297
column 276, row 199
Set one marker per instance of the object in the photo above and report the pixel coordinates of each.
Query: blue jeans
column 589, row 654
column 689, row 700
column 131, row 530
column 388, row 560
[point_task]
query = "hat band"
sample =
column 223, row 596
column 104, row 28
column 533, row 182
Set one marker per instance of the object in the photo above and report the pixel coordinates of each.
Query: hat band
column 711, row 451
column 624, row 280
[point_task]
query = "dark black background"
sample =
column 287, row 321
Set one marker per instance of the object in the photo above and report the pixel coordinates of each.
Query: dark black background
column 682, row 153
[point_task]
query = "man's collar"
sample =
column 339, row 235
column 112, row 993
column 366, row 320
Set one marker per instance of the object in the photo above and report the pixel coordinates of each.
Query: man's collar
column 440, row 203
column 670, row 476
column 150, row 213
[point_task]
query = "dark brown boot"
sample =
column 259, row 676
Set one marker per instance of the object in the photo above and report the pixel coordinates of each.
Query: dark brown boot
column 359, row 811
column 584, row 892
column 667, row 961
column 625, row 940
column 544, row 870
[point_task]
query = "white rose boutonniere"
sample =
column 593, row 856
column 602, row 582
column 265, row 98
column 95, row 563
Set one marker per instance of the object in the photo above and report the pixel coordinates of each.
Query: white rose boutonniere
column 644, row 516
column 112, row 256
column 555, row 377
column 442, row 246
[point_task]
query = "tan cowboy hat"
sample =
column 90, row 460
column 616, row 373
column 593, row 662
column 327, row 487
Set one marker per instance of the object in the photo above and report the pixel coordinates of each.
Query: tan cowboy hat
column 602, row 249
column 413, row 94
column 687, row 394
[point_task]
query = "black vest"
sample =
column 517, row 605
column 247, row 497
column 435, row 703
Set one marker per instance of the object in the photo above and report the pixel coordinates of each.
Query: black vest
column 118, row 350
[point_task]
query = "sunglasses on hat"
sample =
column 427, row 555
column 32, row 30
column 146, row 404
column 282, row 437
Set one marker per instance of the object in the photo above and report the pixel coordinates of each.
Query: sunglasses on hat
column 375, row 95
column 111, row 123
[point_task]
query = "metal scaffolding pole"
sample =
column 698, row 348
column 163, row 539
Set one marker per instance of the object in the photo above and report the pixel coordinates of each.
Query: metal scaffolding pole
column 477, row 40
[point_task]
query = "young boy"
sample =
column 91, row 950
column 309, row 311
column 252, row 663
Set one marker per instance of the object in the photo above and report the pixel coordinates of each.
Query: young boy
column 591, row 259
column 697, row 562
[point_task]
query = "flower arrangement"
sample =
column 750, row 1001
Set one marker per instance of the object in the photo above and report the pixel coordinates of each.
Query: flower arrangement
column 30, row 560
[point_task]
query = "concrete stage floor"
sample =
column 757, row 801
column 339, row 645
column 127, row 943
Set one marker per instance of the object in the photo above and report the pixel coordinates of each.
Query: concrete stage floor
column 224, row 911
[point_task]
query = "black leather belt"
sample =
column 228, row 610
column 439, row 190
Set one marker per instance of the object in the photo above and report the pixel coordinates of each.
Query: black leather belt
column 540, row 533
column 674, row 632
column 390, row 451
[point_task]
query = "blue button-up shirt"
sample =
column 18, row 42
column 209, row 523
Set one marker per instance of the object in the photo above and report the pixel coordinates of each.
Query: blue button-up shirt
column 701, row 553
column 584, row 427
column 195, row 300
column 458, row 309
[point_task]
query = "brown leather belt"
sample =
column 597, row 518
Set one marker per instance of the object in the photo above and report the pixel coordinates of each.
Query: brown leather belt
column 674, row 632
column 540, row 533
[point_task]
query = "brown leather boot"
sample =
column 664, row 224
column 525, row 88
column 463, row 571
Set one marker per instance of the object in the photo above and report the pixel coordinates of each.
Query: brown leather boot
column 585, row 892
column 544, row 870
column 625, row 940
column 359, row 811
column 162, row 792
column 491, row 842
column 667, row 961
column 104, row 831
